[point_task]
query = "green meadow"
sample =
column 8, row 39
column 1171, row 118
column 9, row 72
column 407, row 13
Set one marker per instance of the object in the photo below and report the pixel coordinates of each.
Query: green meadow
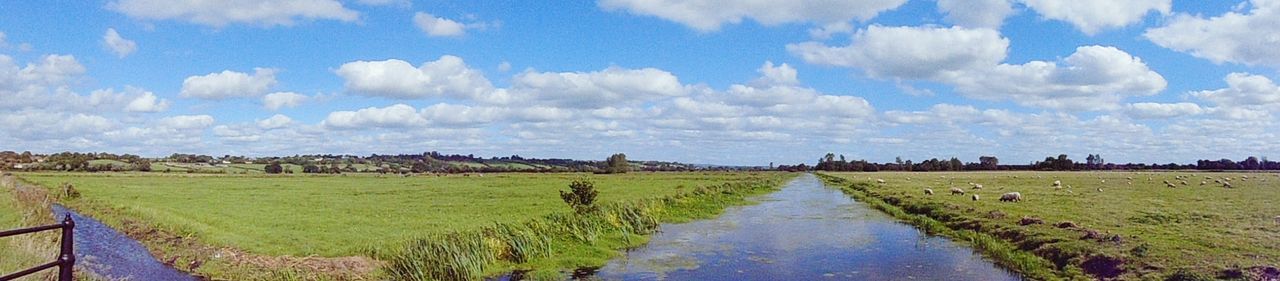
column 1124, row 225
column 189, row 218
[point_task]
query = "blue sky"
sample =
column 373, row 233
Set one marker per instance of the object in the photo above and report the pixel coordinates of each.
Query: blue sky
column 704, row 81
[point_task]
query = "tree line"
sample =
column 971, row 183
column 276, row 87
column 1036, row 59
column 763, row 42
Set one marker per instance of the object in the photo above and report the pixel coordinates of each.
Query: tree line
column 1062, row 162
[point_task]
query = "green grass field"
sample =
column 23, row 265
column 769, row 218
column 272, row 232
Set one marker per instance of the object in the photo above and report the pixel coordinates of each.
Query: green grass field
column 1189, row 230
column 356, row 214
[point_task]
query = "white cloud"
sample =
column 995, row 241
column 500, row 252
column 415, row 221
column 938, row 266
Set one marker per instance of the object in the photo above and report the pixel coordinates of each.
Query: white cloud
column 147, row 102
column 394, row 116
column 1151, row 110
column 403, row 3
column 461, row 115
column 1243, row 89
column 976, row 13
column 599, row 88
column 35, row 124
column 186, row 122
column 825, row 32
column 229, row 84
column 447, row 76
column 709, row 15
column 1093, row 78
column 278, row 100
column 118, row 45
column 275, row 122
column 1248, row 38
column 504, row 66
column 1091, row 16
column 221, row 13
column 438, row 26
column 910, row 52
column 51, row 70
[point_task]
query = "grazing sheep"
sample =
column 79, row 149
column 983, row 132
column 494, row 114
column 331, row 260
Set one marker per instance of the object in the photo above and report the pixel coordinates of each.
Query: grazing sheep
column 1202, row 183
column 1184, row 182
column 928, row 191
column 957, row 191
column 1099, row 190
column 1170, row 185
column 1011, row 197
column 975, row 198
column 977, row 186
column 1057, row 183
column 1104, row 181
column 880, row 180
column 1277, row 217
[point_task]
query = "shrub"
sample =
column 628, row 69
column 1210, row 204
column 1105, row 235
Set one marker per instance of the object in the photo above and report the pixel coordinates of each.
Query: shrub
column 581, row 196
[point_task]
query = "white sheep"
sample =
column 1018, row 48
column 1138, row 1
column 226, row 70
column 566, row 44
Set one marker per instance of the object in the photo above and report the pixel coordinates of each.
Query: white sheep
column 880, row 181
column 1277, row 217
column 928, row 191
column 975, row 198
column 977, row 186
column 1057, row 183
column 1011, row 197
column 957, row 191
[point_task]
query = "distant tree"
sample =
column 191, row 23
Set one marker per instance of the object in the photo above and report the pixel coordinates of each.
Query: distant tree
column 989, row 162
column 142, row 165
column 581, row 196
column 616, row 164
column 274, row 168
column 311, row 169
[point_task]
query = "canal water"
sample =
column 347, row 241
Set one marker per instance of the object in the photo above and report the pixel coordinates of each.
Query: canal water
column 110, row 254
column 805, row 231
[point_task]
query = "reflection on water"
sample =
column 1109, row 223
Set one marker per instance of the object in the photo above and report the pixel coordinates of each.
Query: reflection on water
column 109, row 253
column 803, row 232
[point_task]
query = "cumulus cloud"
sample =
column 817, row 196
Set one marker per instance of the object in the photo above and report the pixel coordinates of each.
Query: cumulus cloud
column 1248, row 38
column 278, row 100
column 1092, row 16
column 147, row 102
column 186, row 122
column 118, row 45
column 1092, row 78
column 274, row 122
column 393, row 78
column 438, row 26
column 1151, row 110
column 709, row 15
column 598, row 88
column 1243, row 89
column 222, row 13
column 394, row 116
column 910, row 52
column 229, row 84
column 976, row 13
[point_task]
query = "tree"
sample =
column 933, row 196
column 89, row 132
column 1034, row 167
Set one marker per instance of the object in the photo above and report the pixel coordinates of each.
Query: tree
column 989, row 162
column 311, row 169
column 274, row 168
column 581, row 196
column 616, row 164
column 143, row 165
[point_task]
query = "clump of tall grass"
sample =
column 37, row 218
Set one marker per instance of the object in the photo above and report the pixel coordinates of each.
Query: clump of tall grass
column 467, row 255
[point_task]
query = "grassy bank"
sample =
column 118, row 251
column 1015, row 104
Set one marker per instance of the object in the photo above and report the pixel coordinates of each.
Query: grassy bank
column 568, row 240
column 19, row 209
column 1097, row 225
column 266, row 227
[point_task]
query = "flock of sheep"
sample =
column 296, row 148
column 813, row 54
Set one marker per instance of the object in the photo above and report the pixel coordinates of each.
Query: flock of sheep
column 1224, row 181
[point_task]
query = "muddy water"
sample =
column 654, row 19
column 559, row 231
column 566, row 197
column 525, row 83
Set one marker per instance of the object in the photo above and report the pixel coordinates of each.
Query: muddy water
column 108, row 253
column 805, row 231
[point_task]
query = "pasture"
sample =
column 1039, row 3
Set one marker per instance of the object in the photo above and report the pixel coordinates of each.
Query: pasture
column 355, row 215
column 1106, row 224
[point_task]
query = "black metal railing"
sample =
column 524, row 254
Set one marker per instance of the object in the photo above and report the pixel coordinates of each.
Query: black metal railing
column 66, row 255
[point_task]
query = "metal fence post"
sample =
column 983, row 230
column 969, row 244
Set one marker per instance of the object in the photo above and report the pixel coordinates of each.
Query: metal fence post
column 67, row 254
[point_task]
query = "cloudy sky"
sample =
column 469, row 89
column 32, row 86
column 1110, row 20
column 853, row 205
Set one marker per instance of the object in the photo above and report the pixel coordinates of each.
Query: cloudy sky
column 701, row 81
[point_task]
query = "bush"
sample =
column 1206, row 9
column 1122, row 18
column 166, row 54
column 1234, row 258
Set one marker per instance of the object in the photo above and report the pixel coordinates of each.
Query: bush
column 581, row 196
